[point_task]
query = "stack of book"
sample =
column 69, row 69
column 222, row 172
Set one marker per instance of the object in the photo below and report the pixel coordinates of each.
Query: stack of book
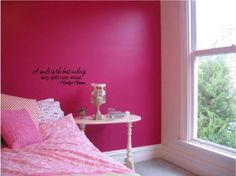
column 117, row 114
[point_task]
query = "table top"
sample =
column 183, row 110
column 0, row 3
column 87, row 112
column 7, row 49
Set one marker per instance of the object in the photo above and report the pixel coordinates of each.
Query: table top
column 107, row 120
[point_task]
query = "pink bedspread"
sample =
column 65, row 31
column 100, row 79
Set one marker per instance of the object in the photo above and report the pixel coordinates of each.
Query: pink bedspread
column 64, row 151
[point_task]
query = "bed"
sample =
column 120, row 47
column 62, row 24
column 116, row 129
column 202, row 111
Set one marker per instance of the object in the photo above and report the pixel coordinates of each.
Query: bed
column 59, row 149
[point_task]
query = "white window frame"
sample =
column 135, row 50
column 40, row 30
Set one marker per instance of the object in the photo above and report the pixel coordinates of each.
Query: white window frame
column 191, row 132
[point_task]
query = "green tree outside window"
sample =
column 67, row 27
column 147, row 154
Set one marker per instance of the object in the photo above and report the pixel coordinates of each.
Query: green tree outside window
column 216, row 102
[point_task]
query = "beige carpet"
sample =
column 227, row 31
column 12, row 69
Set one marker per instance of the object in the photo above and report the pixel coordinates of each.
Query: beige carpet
column 159, row 167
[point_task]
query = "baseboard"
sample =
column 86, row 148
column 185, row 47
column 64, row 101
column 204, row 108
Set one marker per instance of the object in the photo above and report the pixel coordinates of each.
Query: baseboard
column 138, row 153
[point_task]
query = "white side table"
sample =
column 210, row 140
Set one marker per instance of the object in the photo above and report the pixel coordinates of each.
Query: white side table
column 129, row 120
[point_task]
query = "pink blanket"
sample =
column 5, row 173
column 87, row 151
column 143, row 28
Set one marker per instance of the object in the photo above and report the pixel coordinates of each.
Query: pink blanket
column 64, row 151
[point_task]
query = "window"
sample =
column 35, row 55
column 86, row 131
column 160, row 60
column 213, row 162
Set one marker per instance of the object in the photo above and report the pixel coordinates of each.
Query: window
column 213, row 73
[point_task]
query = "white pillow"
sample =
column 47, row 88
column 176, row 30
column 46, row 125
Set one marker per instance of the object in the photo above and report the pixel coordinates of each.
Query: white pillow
column 48, row 110
column 46, row 100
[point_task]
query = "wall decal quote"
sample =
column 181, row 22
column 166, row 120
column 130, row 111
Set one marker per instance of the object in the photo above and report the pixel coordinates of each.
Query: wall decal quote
column 61, row 75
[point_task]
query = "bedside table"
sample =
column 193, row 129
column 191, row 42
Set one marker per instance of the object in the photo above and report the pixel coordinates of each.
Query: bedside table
column 129, row 120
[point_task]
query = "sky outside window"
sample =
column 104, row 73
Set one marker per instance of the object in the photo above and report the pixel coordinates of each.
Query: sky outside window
column 216, row 23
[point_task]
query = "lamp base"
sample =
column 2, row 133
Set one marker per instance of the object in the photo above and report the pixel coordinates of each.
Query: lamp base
column 98, row 116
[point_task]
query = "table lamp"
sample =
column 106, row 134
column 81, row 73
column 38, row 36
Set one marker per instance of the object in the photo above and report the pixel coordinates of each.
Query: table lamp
column 98, row 97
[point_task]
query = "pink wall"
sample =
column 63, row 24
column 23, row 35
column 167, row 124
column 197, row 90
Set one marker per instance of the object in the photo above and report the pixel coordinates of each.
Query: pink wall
column 117, row 43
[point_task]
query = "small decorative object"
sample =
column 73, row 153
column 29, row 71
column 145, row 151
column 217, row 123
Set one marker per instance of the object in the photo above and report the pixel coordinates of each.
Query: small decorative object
column 127, row 113
column 82, row 112
column 113, row 114
column 98, row 97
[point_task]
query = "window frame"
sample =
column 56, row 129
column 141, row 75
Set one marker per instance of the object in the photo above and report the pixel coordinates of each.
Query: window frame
column 191, row 132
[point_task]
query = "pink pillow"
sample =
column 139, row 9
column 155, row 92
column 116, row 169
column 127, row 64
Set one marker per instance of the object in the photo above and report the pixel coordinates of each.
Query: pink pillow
column 18, row 129
column 59, row 128
column 9, row 102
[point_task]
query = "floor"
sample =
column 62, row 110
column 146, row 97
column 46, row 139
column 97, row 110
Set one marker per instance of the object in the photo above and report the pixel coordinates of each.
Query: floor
column 160, row 167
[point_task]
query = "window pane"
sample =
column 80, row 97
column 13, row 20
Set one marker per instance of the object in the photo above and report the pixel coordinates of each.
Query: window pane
column 217, row 99
column 216, row 23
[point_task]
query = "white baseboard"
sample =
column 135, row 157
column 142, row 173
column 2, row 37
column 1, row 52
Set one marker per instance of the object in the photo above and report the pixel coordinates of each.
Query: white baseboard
column 138, row 153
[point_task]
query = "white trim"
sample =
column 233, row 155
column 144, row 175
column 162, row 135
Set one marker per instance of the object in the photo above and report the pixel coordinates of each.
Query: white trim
column 138, row 153
column 192, row 92
column 224, row 150
column 192, row 38
column 190, row 158
column 185, row 69
column 215, row 51
column 193, row 145
column 194, row 99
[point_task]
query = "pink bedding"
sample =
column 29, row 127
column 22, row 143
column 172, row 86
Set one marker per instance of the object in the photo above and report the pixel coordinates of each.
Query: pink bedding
column 65, row 150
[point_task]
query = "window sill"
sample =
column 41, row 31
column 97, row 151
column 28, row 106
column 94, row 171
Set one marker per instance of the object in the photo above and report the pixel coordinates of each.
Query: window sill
column 206, row 148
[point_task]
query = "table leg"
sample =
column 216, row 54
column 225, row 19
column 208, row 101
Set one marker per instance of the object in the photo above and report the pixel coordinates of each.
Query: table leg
column 128, row 160
column 82, row 127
